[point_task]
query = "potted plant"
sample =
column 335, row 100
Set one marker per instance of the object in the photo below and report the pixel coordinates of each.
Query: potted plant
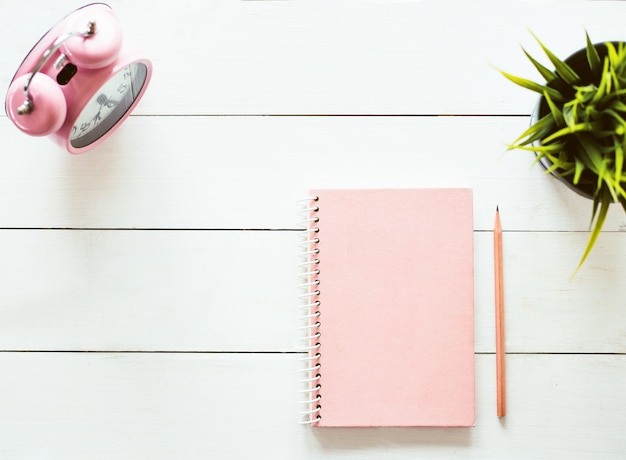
column 578, row 128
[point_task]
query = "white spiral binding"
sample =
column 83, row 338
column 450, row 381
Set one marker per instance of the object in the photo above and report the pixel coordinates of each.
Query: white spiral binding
column 311, row 330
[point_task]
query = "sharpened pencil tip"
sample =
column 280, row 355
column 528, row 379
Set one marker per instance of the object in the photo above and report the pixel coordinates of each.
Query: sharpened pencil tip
column 497, row 208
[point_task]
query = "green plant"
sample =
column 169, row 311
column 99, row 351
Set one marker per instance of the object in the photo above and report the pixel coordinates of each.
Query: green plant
column 580, row 130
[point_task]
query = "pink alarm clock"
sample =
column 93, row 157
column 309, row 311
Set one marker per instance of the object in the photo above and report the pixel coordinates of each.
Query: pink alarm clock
column 79, row 82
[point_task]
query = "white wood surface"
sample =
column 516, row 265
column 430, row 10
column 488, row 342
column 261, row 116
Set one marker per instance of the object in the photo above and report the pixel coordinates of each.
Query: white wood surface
column 148, row 288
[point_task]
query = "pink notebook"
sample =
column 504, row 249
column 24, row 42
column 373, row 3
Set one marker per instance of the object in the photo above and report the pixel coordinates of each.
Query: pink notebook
column 392, row 317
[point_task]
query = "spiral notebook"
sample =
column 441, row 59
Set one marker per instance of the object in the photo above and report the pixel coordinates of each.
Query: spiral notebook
column 390, row 308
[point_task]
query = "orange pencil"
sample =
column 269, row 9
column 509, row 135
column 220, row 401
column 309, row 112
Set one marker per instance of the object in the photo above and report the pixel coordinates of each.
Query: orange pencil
column 500, row 377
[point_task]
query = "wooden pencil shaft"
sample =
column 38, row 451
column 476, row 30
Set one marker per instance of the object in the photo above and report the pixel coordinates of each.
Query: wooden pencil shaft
column 499, row 302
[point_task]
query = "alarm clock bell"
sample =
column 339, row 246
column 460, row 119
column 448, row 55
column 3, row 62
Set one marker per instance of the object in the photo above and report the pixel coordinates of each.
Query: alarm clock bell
column 79, row 82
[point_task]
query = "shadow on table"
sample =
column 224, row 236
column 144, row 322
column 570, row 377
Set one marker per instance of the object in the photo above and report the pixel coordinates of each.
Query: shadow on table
column 334, row 439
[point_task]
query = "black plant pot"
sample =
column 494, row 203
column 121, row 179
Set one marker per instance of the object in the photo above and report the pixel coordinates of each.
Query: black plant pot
column 587, row 183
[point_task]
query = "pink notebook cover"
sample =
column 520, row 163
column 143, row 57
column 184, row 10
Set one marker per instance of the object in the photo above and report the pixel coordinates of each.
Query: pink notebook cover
column 396, row 307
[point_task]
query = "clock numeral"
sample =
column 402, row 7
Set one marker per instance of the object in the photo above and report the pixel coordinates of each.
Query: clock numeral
column 104, row 101
column 85, row 126
column 122, row 88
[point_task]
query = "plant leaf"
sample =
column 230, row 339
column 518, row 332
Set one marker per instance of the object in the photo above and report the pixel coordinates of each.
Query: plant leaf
column 592, row 56
column 535, row 132
column 580, row 166
column 557, row 114
column 605, row 201
column 617, row 104
column 546, row 73
column 618, row 118
column 591, row 152
column 619, row 161
column 611, row 53
column 531, row 85
column 565, row 71
column 605, row 83
column 585, row 126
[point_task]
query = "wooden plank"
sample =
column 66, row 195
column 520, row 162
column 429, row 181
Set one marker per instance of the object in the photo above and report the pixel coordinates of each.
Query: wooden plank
column 189, row 296
column 329, row 57
column 148, row 290
column 237, row 291
column 160, row 406
column 544, row 309
column 205, row 173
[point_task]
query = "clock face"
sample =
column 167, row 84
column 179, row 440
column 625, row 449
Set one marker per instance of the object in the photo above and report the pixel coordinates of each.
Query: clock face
column 108, row 105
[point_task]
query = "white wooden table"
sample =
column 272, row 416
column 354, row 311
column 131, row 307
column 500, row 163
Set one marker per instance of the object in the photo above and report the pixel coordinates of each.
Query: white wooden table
column 148, row 288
